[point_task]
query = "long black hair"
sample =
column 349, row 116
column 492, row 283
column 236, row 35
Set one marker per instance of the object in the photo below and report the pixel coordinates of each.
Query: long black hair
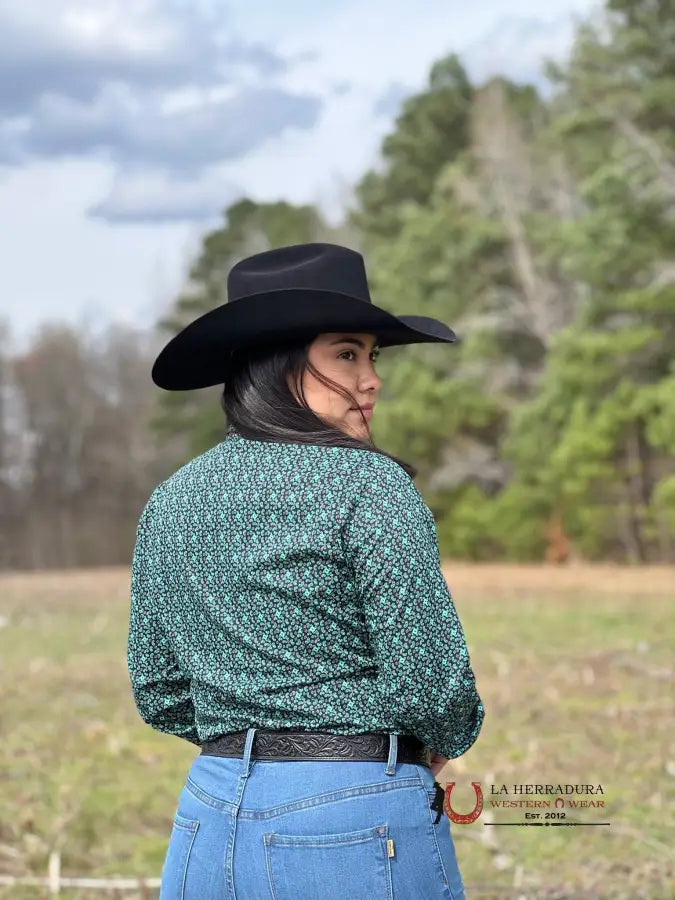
column 259, row 405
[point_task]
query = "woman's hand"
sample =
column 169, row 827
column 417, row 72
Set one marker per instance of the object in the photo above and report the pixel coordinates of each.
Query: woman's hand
column 437, row 763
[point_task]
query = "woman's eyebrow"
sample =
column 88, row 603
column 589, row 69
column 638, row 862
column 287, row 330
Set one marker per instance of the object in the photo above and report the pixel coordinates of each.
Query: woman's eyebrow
column 351, row 340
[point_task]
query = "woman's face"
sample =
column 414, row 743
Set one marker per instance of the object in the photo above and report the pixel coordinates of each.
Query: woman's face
column 346, row 358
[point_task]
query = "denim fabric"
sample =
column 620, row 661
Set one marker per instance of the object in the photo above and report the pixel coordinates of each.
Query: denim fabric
column 309, row 830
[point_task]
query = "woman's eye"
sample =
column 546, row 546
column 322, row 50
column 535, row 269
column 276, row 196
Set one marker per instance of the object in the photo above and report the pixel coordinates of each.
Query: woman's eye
column 374, row 354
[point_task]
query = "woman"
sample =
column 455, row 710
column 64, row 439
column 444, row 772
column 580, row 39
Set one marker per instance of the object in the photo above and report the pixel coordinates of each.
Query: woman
column 288, row 611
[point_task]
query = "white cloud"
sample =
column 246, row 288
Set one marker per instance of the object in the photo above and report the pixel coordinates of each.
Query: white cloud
column 131, row 130
column 152, row 196
column 142, row 85
column 517, row 47
column 376, row 43
column 70, row 48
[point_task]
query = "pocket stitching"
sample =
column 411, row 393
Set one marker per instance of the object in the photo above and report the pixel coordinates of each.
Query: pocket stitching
column 188, row 824
column 190, row 827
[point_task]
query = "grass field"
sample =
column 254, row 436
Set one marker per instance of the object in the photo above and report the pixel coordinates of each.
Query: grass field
column 575, row 667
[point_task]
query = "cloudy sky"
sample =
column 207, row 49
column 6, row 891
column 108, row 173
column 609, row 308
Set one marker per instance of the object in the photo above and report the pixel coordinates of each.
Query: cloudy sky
column 126, row 126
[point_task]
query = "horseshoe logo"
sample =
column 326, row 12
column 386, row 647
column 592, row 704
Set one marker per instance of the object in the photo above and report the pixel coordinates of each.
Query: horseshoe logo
column 458, row 817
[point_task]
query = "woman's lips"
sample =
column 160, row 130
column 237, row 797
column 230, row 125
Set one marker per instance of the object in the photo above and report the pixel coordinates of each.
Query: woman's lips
column 367, row 412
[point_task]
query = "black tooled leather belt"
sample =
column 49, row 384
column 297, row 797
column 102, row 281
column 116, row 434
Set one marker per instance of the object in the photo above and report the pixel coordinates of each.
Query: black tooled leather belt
column 316, row 745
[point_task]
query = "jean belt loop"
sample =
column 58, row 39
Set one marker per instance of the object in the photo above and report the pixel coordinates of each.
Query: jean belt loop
column 247, row 751
column 393, row 749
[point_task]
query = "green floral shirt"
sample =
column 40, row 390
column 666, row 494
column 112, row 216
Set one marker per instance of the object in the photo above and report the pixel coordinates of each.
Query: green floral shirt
column 296, row 586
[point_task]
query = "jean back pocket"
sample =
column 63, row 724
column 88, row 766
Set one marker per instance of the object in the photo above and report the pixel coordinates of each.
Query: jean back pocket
column 353, row 864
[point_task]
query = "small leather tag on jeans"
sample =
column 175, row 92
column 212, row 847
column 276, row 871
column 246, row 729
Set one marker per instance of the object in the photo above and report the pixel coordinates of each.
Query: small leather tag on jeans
column 390, row 847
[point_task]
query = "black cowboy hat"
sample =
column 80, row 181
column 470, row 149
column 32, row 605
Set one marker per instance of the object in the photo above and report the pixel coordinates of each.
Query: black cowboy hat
column 290, row 292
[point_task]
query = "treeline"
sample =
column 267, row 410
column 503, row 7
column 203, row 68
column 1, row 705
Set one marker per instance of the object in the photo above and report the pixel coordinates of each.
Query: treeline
column 542, row 230
column 78, row 451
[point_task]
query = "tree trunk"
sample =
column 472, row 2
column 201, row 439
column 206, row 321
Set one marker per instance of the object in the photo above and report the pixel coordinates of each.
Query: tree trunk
column 635, row 491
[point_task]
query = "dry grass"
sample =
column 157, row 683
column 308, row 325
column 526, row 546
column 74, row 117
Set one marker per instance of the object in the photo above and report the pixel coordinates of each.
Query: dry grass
column 574, row 664
column 512, row 579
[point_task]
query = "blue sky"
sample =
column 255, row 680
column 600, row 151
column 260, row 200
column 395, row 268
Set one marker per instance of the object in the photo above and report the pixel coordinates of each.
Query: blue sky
column 126, row 126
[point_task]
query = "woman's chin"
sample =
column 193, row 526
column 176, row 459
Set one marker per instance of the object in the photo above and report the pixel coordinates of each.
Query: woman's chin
column 356, row 429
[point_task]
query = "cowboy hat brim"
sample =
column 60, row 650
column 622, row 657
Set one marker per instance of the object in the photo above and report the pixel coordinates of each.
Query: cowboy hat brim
column 197, row 357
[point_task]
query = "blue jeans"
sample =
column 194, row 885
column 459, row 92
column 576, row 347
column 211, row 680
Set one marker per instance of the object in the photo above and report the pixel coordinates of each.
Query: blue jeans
column 248, row 829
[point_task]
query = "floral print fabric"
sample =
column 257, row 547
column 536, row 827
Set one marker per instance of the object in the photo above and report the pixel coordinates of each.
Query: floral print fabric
column 285, row 585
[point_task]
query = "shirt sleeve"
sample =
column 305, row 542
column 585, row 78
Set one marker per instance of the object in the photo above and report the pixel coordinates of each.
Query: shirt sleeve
column 161, row 690
column 424, row 672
